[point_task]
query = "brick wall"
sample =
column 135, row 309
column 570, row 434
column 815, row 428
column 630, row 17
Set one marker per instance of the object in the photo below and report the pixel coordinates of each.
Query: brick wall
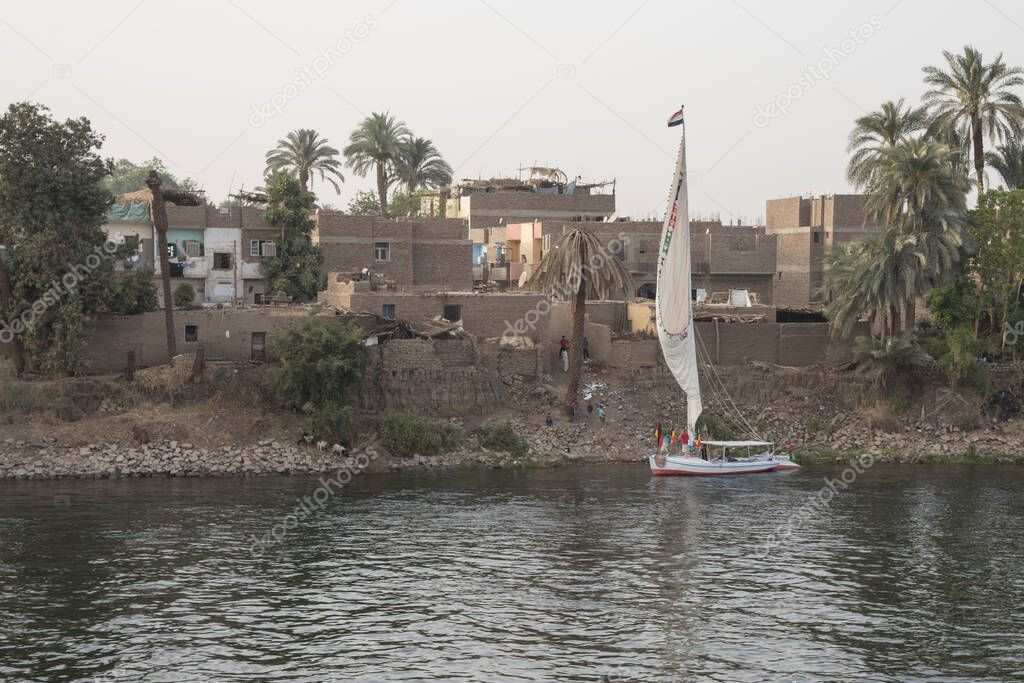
column 484, row 315
column 486, row 209
column 422, row 251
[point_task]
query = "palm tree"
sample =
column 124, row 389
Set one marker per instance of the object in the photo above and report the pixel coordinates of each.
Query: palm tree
column 915, row 179
column 578, row 267
column 420, row 165
column 303, row 152
column 975, row 99
column 377, row 144
column 917, row 195
column 1008, row 160
column 877, row 131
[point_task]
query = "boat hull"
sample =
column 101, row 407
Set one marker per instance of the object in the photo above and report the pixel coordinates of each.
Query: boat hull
column 697, row 467
column 786, row 464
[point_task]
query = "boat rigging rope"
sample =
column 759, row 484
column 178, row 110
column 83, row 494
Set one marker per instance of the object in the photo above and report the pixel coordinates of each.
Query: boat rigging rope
column 720, row 392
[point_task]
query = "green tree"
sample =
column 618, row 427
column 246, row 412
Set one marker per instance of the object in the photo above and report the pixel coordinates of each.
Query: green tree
column 132, row 292
column 184, row 295
column 420, row 165
column 1008, row 160
column 53, row 203
column 998, row 261
column 322, row 368
column 878, row 131
column 975, row 100
column 296, row 267
column 365, row 203
column 577, row 268
column 377, row 145
column 128, row 177
column 302, row 153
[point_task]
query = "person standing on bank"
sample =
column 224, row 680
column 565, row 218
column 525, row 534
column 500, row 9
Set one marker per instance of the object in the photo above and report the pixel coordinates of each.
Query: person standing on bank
column 563, row 351
column 586, row 350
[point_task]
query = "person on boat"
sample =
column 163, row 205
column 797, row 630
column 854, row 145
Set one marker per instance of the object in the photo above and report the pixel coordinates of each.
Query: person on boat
column 684, row 440
column 789, row 448
column 563, row 352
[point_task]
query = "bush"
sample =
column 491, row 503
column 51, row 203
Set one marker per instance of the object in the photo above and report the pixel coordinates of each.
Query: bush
column 321, row 361
column 332, row 422
column 406, row 435
column 710, row 425
column 501, row 437
column 183, row 295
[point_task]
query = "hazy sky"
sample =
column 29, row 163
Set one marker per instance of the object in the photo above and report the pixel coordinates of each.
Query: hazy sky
column 586, row 86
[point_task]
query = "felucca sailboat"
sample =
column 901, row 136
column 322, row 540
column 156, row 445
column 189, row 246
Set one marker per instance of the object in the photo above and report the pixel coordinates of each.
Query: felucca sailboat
column 677, row 333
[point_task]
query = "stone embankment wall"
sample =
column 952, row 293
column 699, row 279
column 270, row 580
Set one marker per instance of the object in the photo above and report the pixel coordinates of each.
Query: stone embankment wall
column 445, row 378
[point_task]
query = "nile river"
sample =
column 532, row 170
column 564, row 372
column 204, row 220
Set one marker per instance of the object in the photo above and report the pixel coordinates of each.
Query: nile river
column 914, row 573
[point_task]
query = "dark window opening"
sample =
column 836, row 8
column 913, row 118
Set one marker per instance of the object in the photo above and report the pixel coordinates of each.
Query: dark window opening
column 222, row 261
column 817, row 238
column 452, row 312
column 259, row 346
column 389, row 311
column 191, row 333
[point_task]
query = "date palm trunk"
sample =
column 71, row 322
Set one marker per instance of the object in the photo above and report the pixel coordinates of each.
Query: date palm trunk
column 382, row 188
column 6, row 297
column 579, row 310
column 160, row 226
column 979, row 154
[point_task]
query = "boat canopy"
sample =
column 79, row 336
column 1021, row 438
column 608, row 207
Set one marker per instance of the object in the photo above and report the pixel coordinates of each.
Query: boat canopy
column 737, row 444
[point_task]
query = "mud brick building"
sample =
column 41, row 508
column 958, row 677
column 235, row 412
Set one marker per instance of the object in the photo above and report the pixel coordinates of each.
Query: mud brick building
column 805, row 229
column 410, row 252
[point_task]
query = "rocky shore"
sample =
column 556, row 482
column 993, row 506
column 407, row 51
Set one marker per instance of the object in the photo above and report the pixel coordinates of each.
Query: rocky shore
column 26, row 460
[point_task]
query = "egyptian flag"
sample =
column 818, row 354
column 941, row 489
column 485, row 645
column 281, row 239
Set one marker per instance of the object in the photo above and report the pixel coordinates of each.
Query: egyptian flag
column 676, row 118
column 657, row 436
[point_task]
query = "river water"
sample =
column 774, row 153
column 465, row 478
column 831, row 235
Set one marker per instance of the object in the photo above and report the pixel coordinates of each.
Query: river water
column 578, row 574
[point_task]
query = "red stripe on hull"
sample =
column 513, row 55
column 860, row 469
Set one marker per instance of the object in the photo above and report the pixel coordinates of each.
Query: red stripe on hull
column 677, row 473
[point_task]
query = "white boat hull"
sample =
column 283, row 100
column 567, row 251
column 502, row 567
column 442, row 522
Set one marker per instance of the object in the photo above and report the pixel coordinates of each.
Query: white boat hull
column 676, row 465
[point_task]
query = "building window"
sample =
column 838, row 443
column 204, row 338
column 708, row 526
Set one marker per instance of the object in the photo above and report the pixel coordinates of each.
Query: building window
column 262, row 248
column 222, row 261
column 780, row 274
column 259, row 346
column 452, row 312
column 193, row 248
column 191, row 333
column 381, row 251
column 817, row 238
column 389, row 311
column 172, row 250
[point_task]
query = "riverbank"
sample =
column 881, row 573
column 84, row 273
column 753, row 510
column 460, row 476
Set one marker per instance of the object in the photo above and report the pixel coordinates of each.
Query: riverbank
column 104, row 428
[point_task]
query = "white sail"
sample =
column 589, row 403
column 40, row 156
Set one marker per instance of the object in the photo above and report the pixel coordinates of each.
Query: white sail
column 673, row 302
